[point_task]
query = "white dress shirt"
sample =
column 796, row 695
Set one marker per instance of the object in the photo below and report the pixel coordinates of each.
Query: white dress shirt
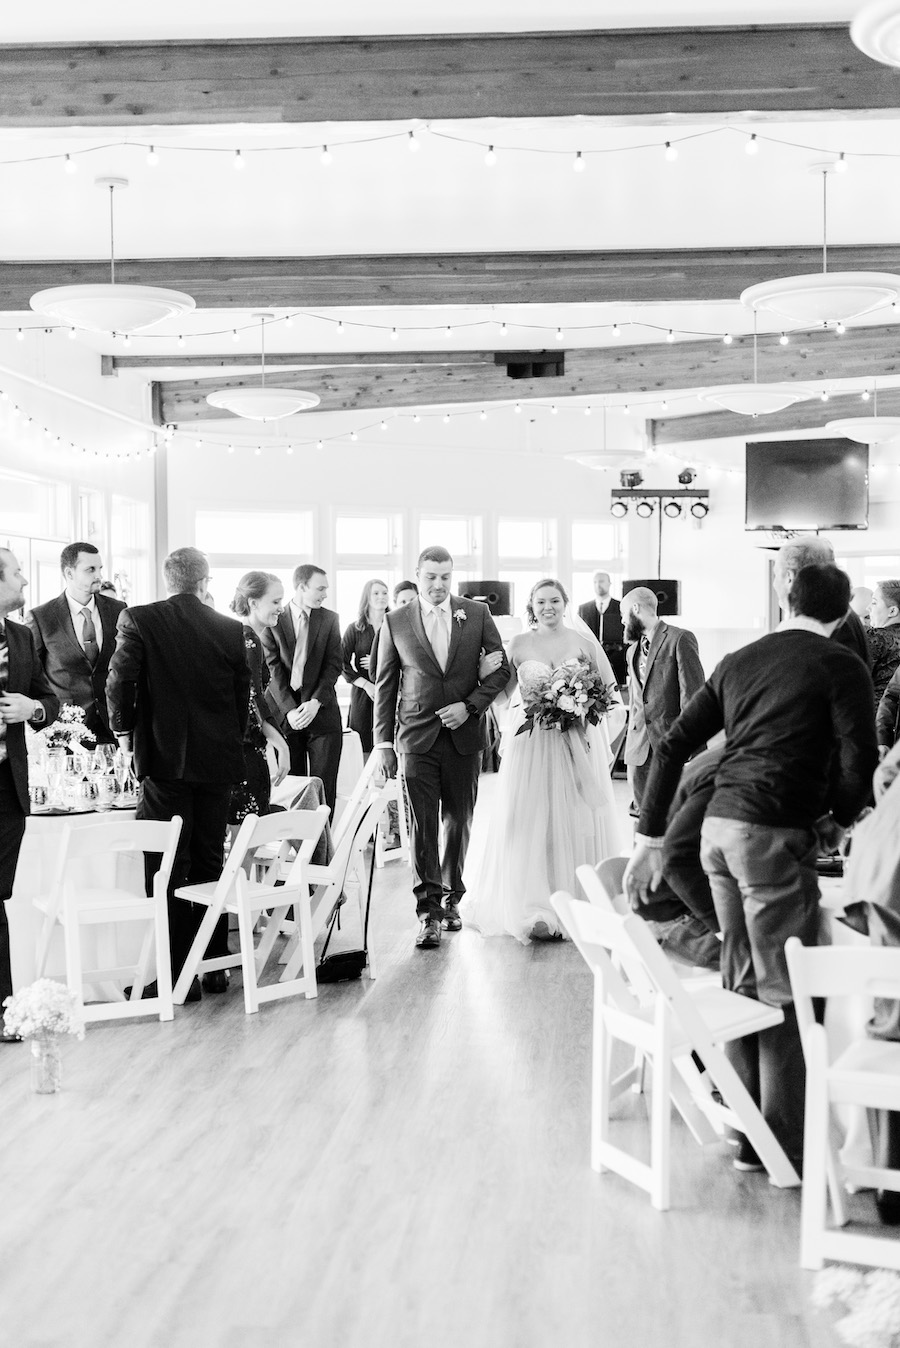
column 436, row 618
column 78, row 618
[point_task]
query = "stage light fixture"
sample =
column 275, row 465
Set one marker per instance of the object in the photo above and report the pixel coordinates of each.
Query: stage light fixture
column 699, row 510
column 645, row 509
column 630, row 479
column 687, row 476
column 619, row 509
column 672, row 509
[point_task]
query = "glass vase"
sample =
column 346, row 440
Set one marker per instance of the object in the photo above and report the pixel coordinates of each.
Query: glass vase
column 46, row 1064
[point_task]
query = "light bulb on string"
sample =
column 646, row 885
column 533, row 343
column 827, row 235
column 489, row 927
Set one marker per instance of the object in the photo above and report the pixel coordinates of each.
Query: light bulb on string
column 727, row 339
column 783, row 339
column 865, row 395
column 503, row 329
column 839, row 329
column 393, row 334
column 257, row 452
column 626, row 410
column 384, row 425
column 559, row 334
column 580, row 163
column 20, row 335
column 319, row 445
column 340, row 329
column 72, row 334
column 518, row 408
column 181, row 340
column 231, row 449
column 482, row 416
column 446, row 418
column 587, row 411
column 670, row 336
column 665, row 405
column 823, row 396
column 671, row 152
column 238, row 163
column 449, row 331
column 152, row 157
column 412, row 144
column 235, row 335
column 616, row 330
column 416, row 419
column 353, row 436
column 326, row 156
column 70, row 165
column 842, row 163
column 290, row 449
column 289, row 320
column 752, row 146
column 126, row 340
column 553, row 409
column 490, row 157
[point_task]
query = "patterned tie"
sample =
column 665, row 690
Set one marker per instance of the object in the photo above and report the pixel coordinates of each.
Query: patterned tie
column 439, row 636
column 644, row 656
column 300, row 651
column 89, row 637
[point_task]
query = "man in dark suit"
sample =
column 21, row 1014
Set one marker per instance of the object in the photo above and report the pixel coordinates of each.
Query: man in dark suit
column 303, row 653
column 24, row 697
column 179, row 693
column 664, row 672
column 428, row 655
column 75, row 636
column 603, row 616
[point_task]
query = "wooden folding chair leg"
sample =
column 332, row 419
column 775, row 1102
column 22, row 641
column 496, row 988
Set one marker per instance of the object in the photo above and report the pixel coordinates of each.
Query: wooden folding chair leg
column 661, row 1111
column 814, row 1199
column 248, row 960
column 601, row 1086
column 74, row 968
column 195, row 954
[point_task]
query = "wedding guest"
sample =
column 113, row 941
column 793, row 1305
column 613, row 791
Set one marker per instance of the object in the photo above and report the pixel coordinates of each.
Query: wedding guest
column 405, row 591
column 25, row 697
column 258, row 600
column 812, row 550
column 75, row 636
column 303, row 651
column 178, row 694
column 883, row 634
column 603, row 615
column 356, row 650
column 860, row 600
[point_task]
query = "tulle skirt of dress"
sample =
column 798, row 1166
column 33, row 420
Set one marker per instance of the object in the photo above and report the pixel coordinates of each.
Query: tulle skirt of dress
column 554, row 811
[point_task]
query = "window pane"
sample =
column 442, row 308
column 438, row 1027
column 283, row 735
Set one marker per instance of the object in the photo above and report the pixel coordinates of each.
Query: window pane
column 129, row 564
column 520, row 538
column 523, row 582
column 583, row 586
column 358, row 533
column 254, row 531
column 223, row 583
column 452, row 534
column 594, row 538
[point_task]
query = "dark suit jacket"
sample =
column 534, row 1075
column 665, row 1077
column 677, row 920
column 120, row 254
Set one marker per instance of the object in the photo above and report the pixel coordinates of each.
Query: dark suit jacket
column 612, row 638
column 25, row 676
column 407, row 667
column 179, row 680
column 320, row 672
column 66, row 666
column 673, row 675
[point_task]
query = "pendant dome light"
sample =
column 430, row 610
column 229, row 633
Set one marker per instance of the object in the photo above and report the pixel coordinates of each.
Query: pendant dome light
column 262, row 402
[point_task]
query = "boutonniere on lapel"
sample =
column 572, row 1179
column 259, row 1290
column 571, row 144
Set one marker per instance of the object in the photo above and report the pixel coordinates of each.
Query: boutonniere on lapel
column 459, row 616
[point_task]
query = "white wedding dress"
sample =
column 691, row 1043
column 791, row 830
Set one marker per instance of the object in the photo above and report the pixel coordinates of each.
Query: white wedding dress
column 553, row 811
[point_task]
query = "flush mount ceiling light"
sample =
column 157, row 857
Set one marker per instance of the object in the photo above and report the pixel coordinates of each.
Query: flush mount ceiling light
column 108, row 307
column 824, row 297
column 262, row 403
column 876, row 31
column 873, row 430
column 756, row 400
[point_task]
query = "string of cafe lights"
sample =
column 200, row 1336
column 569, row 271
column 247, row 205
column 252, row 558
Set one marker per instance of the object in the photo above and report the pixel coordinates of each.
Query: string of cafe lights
column 418, row 134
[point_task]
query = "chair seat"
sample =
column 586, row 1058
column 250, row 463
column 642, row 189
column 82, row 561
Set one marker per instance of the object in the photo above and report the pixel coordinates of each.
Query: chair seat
column 868, row 1071
column 260, row 896
column 102, row 905
column 730, row 1016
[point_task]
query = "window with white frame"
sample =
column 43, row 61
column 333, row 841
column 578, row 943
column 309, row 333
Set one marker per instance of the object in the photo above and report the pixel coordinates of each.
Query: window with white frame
column 367, row 546
column 461, row 536
column 597, row 545
column 238, row 541
column 128, row 565
column 526, row 549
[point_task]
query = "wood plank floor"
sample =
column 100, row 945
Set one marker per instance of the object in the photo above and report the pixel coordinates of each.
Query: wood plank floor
column 397, row 1164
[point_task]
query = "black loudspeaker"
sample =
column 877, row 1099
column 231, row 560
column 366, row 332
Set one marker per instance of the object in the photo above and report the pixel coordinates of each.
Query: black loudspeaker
column 668, row 594
column 497, row 594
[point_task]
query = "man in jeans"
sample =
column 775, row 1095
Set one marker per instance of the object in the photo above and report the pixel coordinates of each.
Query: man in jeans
column 799, row 755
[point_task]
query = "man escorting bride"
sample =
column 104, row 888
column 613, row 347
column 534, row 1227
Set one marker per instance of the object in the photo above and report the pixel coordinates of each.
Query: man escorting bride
column 554, row 808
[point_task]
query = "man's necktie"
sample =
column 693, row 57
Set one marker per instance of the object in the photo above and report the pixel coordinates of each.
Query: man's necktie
column 300, row 651
column 439, row 636
column 644, row 657
column 89, row 637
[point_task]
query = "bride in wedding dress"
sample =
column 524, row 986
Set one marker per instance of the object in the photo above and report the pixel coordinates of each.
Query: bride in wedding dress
column 554, row 808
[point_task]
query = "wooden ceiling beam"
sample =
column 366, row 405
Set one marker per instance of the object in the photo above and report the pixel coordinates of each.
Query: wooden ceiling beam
column 653, row 367
column 297, row 360
column 679, row 73
column 806, row 416
column 645, row 276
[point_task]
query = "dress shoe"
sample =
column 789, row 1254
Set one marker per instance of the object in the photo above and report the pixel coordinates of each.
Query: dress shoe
column 217, row 981
column 746, row 1159
column 888, row 1204
column 151, row 990
column 452, row 920
column 541, row 932
column 429, row 936
column 10, row 1039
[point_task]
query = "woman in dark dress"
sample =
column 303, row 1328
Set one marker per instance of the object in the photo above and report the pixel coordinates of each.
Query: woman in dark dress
column 356, row 647
column 258, row 601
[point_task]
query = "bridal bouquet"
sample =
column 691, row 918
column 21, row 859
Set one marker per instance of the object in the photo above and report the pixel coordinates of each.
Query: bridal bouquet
column 69, row 732
column 872, row 1300
column 572, row 695
column 45, row 1007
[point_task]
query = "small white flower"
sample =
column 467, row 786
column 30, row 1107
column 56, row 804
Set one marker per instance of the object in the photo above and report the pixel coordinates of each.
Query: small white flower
column 566, row 703
column 460, row 616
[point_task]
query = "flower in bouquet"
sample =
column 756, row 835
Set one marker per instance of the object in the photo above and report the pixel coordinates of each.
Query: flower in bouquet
column 69, row 732
column 873, row 1302
column 45, row 1007
column 574, row 694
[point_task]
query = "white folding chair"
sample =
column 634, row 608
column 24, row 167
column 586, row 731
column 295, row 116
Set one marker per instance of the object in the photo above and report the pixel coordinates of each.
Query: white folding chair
column 866, row 1073
column 667, row 1027
column 609, row 875
column 350, row 769
column 347, row 865
column 234, row 892
column 74, row 906
column 395, row 795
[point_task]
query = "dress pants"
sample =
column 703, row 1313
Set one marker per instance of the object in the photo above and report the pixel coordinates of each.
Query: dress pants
column 12, row 831
column 316, row 756
column 441, row 788
column 765, row 889
column 203, row 807
column 637, row 780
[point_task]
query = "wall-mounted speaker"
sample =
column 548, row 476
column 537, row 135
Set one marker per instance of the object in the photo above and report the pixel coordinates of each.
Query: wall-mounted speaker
column 668, row 594
column 497, row 594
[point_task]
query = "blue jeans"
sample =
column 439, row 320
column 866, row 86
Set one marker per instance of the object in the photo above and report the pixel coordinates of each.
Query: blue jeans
column 765, row 889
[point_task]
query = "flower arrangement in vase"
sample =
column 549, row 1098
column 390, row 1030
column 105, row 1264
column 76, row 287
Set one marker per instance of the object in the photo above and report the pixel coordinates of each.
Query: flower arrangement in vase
column 69, row 731
column 43, row 1012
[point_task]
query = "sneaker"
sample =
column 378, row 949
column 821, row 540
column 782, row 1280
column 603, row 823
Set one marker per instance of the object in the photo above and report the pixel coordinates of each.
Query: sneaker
column 746, row 1159
column 541, row 932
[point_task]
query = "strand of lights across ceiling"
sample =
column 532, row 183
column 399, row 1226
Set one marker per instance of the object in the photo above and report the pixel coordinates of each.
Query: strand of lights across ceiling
column 395, row 330
column 17, row 414
column 418, row 134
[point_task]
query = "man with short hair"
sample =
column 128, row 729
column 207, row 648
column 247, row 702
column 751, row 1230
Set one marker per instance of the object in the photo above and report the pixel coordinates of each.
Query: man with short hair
column 303, row 652
column 25, row 698
column 179, row 694
column 75, row 636
column 799, row 755
column 428, row 658
column 664, row 672
column 810, row 550
column 603, row 616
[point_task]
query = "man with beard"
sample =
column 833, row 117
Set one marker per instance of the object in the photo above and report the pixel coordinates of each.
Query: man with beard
column 664, row 672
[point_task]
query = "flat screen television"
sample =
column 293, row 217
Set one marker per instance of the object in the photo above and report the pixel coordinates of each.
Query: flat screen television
column 807, row 484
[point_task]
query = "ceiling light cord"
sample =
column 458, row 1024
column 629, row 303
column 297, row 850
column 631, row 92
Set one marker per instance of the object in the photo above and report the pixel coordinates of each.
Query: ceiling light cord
column 112, row 238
